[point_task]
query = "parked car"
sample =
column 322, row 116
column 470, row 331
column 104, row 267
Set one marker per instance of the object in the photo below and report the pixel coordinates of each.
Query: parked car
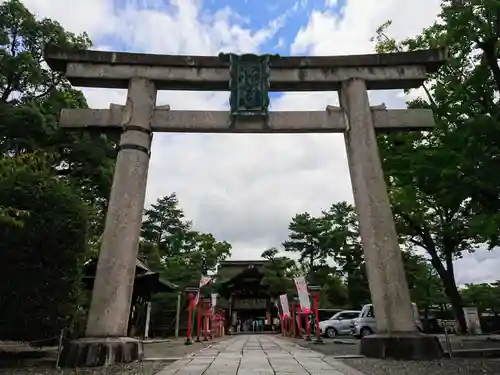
column 325, row 314
column 365, row 324
column 338, row 324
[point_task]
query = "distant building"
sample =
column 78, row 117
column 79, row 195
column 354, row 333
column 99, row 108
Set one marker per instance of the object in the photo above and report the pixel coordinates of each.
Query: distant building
column 240, row 284
column 146, row 284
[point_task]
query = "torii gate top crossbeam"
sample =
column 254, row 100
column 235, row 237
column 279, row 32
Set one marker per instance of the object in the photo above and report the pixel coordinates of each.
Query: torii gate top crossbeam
column 89, row 68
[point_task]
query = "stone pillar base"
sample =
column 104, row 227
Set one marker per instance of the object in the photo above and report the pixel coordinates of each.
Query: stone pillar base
column 403, row 346
column 100, row 351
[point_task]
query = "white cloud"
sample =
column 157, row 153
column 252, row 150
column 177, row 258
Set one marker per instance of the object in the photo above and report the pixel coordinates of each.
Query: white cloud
column 481, row 266
column 326, row 34
column 243, row 188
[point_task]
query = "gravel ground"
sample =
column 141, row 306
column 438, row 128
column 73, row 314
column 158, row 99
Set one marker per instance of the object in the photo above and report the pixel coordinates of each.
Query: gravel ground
column 369, row 366
column 336, row 347
column 466, row 366
column 136, row 368
column 20, row 359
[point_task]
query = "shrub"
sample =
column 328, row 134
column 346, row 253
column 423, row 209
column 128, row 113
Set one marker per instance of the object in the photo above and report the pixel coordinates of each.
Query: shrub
column 41, row 259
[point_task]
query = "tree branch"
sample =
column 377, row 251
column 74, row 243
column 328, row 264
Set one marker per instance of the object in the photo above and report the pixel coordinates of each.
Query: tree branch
column 489, row 47
column 426, row 90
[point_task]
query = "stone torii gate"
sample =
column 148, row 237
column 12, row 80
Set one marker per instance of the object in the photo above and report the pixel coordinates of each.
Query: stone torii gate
column 249, row 78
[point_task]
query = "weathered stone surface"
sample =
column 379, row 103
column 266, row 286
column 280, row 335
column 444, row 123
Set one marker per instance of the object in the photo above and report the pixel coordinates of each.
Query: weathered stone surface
column 57, row 58
column 386, row 276
column 113, row 69
column 402, row 346
column 258, row 355
column 209, row 79
column 330, row 121
column 93, row 352
column 112, row 292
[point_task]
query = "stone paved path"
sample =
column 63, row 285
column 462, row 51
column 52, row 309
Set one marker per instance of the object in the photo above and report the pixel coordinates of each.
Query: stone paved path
column 257, row 355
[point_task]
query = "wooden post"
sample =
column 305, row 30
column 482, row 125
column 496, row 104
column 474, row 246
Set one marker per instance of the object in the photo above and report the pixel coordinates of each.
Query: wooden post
column 205, row 325
column 148, row 318
column 198, row 325
column 308, row 327
column 316, row 313
column 211, row 326
column 190, row 314
column 178, row 315
column 299, row 320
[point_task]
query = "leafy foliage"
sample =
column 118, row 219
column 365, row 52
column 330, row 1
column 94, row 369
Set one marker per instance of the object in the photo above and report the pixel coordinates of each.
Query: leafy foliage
column 50, row 247
column 31, row 97
column 278, row 273
column 170, row 246
column 442, row 183
column 338, row 236
column 347, row 252
column 308, row 238
column 72, row 173
column 165, row 231
column 486, row 297
column 23, row 38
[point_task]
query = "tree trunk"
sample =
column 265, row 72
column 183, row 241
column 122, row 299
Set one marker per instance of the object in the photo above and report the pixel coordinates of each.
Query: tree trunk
column 447, row 276
column 456, row 304
column 489, row 48
column 454, row 294
column 311, row 271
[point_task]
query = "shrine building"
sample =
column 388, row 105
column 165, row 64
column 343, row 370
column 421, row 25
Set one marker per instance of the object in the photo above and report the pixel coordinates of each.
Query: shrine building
column 247, row 298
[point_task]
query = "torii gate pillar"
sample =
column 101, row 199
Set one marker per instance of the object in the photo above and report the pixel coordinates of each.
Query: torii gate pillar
column 397, row 335
column 106, row 333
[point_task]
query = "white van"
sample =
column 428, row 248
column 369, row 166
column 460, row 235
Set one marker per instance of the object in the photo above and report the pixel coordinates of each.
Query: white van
column 365, row 324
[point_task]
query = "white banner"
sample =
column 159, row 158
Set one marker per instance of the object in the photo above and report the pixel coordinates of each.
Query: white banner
column 284, row 305
column 305, row 304
column 203, row 281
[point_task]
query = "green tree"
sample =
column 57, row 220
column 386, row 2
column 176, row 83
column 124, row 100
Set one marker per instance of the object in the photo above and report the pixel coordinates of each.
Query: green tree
column 178, row 253
column 170, row 245
column 485, row 296
column 426, row 288
column 31, row 97
column 442, row 183
column 308, row 238
column 165, row 230
column 346, row 250
column 43, row 258
column 11, row 216
column 333, row 289
column 278, row 273
column 29, row 118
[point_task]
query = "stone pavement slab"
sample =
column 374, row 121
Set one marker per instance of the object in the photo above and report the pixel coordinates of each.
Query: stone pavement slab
column 257, row 355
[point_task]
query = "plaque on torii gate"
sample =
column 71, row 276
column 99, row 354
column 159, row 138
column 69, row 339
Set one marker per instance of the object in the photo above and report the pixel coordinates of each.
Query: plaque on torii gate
column 144, row 74
column 249, row 87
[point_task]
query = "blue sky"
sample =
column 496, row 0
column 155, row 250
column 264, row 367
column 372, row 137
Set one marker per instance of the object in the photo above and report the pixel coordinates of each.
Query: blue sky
column 259, row 14
column 292, row 15
column 286, row 16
